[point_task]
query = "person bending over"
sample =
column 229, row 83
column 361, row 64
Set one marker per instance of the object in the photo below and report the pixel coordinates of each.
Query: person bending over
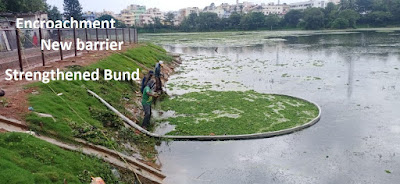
column 146, row 79
column 146, row 103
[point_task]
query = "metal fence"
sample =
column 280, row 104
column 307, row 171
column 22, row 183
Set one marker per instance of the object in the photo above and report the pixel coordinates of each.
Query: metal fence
column 21, row 48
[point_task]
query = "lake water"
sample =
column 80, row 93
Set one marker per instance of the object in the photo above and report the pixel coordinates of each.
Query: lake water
column 354, row 77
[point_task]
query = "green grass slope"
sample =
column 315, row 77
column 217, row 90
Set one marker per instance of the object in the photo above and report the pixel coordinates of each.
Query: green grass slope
column 79, row 115
column 26, row 159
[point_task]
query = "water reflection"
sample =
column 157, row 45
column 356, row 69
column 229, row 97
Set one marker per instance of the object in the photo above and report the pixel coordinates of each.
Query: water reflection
column 350, row 76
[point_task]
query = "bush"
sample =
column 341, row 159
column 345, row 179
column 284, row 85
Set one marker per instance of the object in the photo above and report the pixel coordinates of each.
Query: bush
column 340, row 23
column 379, row 18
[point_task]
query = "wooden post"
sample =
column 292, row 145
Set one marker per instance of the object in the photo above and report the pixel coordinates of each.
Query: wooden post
column 129, row 35
column 75, row 42
column 116, row 35
column 41, row 50
column 59, row 41
column 19, row 49
column 136, row 36
column 97, row 34
column 86, row 37
column 123, row 35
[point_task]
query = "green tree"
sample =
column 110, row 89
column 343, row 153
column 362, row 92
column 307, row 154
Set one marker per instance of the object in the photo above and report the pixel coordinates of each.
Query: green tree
column 234, row 20
column 272, row 21
column 189, row 23
column 252, row 21
column 314, row 18
column 24, row 6
column 331, row 12
column 347, row 4
column 53, row 13
column 109, row 17
column 72, row 8
column 170, row 18
column 351, row 16
column 207, row 21
column 379, row 5
column 395, row 11
column 2, row 6
column 330, row 7
column 292, row 18
column 364, row 5
column 340, row 23
column 379, row 18
column 157, row 23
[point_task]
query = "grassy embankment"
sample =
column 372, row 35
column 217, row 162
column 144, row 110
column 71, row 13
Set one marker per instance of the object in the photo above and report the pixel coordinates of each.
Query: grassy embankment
column 26, row 159
column 233, row 112
column 79, row 115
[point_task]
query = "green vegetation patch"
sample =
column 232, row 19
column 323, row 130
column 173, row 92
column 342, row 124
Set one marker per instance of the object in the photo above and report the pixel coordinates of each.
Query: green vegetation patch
column 148, row 55
column 234, row 112
column 26, row 159
column 79, row 115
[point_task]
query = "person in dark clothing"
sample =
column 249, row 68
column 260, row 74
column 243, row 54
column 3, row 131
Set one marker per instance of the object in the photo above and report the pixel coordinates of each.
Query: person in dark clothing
column 146, row 79
column 158, row 74
column 146, row 103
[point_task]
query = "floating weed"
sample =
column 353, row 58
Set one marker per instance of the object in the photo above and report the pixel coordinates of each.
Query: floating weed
column 235, row 112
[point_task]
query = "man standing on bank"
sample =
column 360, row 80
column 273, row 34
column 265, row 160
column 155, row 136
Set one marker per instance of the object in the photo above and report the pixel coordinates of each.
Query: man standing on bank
column 158, row 74
column 146, row 102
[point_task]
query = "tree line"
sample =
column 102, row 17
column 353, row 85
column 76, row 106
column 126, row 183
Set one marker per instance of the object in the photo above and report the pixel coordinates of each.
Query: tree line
column 72, row 8
column 347, row 14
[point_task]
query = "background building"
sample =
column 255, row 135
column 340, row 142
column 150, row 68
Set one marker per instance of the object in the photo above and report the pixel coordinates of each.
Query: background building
column 131, row 15
column 312, row 4
column 89, row 15
column 150, row 15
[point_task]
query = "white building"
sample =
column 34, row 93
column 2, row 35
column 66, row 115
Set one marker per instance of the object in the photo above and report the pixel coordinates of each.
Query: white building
column 187, row 11
column 277, row 9
column 222, row 11
column 312, row 4
column 131, row 15
column 150, row 15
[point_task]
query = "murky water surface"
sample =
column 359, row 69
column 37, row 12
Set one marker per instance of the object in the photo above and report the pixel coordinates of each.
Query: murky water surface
column 353, row 76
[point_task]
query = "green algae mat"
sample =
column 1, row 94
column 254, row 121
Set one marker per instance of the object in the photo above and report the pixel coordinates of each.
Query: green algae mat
column 235, row 113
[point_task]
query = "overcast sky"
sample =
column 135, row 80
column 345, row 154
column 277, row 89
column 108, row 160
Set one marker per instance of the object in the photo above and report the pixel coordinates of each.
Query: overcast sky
column 165, row 5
